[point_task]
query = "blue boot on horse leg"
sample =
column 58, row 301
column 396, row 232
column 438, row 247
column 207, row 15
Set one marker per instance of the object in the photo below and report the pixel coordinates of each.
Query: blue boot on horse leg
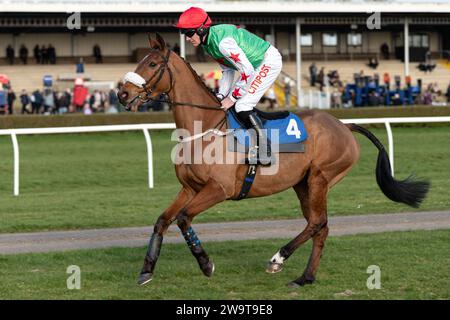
column 161, row 226
column 194, row 244
column 211, row 194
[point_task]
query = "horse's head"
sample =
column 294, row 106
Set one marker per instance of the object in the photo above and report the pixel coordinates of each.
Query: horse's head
column 151, row 78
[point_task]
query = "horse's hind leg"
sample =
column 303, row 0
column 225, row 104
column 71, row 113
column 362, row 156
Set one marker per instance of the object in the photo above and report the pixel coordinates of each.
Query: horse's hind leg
column 312, row 194
column 164, row 221
column 211, row 194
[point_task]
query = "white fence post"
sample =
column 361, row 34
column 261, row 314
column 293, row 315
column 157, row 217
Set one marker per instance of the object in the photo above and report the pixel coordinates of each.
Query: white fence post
column 16, row 163
column 148, row 140
column 391, row 145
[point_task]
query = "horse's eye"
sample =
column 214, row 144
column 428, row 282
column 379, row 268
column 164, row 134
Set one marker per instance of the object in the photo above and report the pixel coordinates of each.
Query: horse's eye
column 152, row 64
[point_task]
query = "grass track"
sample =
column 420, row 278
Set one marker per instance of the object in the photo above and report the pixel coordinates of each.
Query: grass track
column 100, row 180
column 414, row 265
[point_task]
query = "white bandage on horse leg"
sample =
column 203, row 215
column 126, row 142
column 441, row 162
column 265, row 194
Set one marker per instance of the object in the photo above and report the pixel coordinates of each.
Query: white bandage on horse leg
column 277, row 258
column 134, row 78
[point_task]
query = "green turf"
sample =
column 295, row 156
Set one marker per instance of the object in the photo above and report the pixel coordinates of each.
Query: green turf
column 413, row 265
column 100, row 180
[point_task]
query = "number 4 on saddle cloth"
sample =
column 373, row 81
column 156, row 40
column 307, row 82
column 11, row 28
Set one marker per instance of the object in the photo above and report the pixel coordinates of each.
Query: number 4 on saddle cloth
column 285, row 131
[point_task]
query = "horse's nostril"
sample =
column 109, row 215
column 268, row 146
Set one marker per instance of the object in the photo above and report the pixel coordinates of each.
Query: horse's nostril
column 124, row 95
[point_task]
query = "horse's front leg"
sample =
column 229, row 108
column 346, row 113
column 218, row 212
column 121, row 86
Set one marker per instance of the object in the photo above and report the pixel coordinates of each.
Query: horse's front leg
column 161, row 226
column 211, row 194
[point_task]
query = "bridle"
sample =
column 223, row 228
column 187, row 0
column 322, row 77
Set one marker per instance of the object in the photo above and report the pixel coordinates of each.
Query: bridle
column 158, row 76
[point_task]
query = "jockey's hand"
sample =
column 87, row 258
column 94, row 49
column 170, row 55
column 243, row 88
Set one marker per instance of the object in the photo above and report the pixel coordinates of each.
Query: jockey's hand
column 227, row 103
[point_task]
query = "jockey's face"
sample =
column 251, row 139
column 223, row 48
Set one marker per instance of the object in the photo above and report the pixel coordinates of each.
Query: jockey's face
column 195, row 40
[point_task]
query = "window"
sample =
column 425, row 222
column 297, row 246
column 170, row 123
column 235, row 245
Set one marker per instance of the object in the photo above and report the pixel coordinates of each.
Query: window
column 354, row 39
column 418, row 40
column 329, row 39
column 306, row 40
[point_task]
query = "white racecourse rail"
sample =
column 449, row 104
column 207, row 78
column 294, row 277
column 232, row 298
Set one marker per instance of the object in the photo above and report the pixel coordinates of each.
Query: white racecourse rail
column 145, row 127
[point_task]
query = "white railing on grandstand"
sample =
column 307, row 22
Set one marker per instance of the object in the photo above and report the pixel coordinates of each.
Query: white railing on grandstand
column 145, row 127
column 315, row 99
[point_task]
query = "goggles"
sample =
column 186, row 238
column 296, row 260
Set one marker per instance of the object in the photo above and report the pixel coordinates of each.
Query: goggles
column 188, row 32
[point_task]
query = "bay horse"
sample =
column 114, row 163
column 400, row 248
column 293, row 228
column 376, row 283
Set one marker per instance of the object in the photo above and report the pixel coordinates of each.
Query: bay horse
column 330, row 152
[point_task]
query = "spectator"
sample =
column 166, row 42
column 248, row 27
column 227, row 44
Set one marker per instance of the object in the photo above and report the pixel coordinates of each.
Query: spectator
column 385, row 51
column 80, row 94
column 51, row 54
column 3, row 101
column 10, row 54
column 321, row 78
column 44, row 55
column 11, row 99
column 313, row 74
column 37, row 54
column 49, row 101
column 36, row 102
column 25, row 101
column 336, row 98
column 408, row 81
column 427, row 98
column 386, row 80
column 97, row 54
column 113, row 102
column 64, row 101
column 333, row 77
column 87, row 109
column 80, row 66
column 23, row 54
column 397, row 80
column 373, row 63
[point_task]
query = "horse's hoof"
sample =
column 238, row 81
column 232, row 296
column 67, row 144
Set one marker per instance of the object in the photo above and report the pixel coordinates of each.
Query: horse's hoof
column 274, row 267
column 208, row 270
column 145, row 278
column 301, row 281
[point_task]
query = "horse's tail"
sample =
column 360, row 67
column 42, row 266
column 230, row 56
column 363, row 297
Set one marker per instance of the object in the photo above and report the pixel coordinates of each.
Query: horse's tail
column 409, row 191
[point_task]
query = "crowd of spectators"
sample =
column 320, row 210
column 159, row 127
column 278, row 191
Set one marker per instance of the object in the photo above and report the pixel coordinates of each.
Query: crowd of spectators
column 76, row 100
column 430, row 95
column 42, row 54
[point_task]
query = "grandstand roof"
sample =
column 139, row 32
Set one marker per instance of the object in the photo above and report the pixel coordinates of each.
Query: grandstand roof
column 255, row 6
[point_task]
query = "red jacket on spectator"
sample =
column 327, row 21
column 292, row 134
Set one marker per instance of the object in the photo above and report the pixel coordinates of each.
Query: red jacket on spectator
column 79, row 95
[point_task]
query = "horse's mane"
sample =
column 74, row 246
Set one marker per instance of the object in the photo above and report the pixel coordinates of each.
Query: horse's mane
column 200, row 81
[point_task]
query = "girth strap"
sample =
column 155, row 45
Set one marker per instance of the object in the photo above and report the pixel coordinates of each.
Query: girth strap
column 248, row 182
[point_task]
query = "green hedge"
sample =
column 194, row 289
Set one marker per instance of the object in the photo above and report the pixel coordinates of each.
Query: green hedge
column 69, row 120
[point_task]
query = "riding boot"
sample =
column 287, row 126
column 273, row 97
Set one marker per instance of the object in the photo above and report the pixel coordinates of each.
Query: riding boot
column 260, row 152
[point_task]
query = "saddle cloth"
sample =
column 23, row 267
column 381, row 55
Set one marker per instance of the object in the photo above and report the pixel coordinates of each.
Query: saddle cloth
column 284, row 129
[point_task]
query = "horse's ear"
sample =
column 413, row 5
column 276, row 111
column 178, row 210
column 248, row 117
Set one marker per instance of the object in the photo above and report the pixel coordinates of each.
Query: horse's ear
column 158, row 43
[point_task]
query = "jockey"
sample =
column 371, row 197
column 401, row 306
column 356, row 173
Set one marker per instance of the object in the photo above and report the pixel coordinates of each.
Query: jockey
column 236, row 49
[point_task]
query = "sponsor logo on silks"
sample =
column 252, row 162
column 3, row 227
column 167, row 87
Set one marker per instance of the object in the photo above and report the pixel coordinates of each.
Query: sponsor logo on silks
column 258, row 79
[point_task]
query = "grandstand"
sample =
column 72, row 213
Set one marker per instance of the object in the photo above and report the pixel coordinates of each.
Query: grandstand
column 30, row 77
